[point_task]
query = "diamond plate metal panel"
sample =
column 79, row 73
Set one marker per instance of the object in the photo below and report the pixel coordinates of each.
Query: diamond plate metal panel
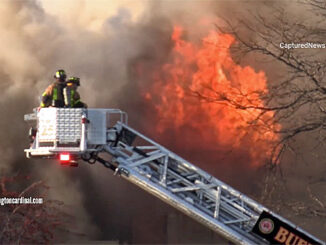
column 96, row 128
column 68, row 125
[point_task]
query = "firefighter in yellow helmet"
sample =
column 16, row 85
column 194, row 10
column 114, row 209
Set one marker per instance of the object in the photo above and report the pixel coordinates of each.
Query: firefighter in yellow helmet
column 71, row 96
column 53, row 95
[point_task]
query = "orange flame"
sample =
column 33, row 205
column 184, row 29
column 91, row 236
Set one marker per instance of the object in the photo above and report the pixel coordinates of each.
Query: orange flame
column 208, row 70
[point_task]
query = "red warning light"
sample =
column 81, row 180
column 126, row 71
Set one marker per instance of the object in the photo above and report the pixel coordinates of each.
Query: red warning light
column 85, row 120
column 64, row 157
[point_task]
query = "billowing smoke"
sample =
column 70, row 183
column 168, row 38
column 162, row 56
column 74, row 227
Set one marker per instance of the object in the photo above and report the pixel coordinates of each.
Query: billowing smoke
column 102, row 43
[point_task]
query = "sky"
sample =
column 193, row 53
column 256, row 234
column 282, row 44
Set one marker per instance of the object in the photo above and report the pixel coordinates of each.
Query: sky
column 91, row 14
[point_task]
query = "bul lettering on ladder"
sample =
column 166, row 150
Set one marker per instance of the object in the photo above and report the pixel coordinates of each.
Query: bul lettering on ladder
column 283, row 236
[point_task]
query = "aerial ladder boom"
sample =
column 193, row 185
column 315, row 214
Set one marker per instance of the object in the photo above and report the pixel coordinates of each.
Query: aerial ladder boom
column 87, row 134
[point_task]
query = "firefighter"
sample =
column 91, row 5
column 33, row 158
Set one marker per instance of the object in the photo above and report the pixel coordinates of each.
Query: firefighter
column 71, row 96
column 53, row 95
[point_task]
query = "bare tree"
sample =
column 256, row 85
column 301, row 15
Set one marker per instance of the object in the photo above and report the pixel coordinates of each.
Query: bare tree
column 294, row 46
column 24, row 223
column 300, row 93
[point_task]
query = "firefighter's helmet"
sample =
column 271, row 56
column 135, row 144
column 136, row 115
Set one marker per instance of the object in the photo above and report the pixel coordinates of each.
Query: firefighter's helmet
column 61, row 75
column 74, row 80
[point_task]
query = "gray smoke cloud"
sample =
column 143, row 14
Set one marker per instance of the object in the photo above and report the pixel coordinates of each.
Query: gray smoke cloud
column 30, row 39
column 34, row 44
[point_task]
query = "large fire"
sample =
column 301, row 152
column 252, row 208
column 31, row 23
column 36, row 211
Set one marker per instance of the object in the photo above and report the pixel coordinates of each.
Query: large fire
column 201, row 88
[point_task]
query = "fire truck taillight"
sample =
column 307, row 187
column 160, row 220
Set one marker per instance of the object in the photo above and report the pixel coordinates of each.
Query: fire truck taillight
column 64, row 157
